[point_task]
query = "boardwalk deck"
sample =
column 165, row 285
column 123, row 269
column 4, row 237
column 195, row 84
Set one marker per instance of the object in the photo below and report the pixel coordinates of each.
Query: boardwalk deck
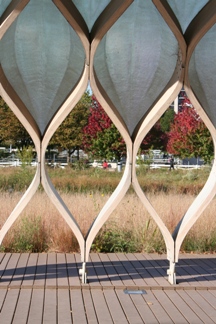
column 45, row 288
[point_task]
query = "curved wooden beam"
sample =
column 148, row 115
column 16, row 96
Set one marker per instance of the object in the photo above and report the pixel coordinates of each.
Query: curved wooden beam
column 205, row 19
column 10, row 14
column 108, row 17
column 61, row 206
column 75, row 19
column 110, row 205
column 164, row 100
column 196, row 30
column 21, row 204
column 209, row 190
column 172, row 90
column 67, row 106
column 173, row 23
column 19, row 109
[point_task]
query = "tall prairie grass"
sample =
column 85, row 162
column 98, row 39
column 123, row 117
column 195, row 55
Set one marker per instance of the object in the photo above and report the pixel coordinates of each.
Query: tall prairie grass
column 129, row 229
column 98, row 180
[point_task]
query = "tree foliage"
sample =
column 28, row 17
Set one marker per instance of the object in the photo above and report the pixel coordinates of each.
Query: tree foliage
column 189, row 136
column 12, row 132
column 102, row 139
column 166, row 120
column 69, row 134
column 155, row 139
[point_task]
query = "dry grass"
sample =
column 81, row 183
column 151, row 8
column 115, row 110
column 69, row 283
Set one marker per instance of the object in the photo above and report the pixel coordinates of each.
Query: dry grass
column 53, row 234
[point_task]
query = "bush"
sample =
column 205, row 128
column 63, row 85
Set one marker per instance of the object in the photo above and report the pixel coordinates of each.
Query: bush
column 114, row 240
column 29, row 236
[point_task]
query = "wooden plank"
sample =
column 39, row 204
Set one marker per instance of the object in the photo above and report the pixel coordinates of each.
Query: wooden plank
column 64, row 307
column 208, row 267
column 156, row 308
column 120, row 269
column 2, row 255
column 110, row 270
column 114, row 306
column 72, row 269
column 182, row 306
column 149, row 279
column 161, row 269
column 29, row 275
column 144, row 310
column 208, row 297
column 22, row 309
column 3, row 293
column 77, row 306
column 50, row 306
column 170, row 307
column 163, row 263
column 20, row 270
column 100, row 271
column 154, row 270
column 92, row 277
column 192, row 274
column 36, row 307
column 62, row 275
column 203, row 318
column 183, row 277
column 51, row 272
column 40, row 274
column 4, row 263
column 128, row 307
column 9, row 269
column 100, row 305
column 134, row 268
column 9, row 306
column 203, row 304
column 197, row 271
column 89, row 307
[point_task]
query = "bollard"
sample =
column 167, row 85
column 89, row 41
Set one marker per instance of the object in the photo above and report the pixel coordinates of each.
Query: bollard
column 119, row 166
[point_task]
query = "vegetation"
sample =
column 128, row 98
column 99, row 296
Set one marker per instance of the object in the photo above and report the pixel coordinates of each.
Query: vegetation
column 189, row 136
column 129, row 229
column 93, row 180
column 69, row 135
column 89, row 128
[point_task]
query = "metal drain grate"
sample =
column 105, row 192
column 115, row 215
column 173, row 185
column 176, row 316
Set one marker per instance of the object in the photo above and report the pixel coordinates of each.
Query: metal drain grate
column 135, row 292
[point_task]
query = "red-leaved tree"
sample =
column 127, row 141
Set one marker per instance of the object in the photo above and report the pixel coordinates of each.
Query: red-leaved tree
column 188, row 134
column 101, row 138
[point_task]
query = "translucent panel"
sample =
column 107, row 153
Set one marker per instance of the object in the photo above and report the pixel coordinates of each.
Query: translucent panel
column 186, row 10
column 202, row 73
column 90, row 10
column 3, row 5
column 135, row 60
column 41, row 66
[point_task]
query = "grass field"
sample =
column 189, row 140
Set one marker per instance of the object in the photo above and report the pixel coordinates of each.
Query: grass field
column 129, row 229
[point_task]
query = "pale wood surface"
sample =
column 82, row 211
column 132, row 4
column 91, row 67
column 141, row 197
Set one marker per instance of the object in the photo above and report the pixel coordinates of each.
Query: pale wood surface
column 45, row 288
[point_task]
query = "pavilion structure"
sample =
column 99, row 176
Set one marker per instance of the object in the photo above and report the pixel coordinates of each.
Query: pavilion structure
column 137, row 56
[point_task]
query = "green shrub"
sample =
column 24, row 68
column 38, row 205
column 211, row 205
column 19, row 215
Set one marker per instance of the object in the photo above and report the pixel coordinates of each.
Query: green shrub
column 29, row 236
column 114, row 240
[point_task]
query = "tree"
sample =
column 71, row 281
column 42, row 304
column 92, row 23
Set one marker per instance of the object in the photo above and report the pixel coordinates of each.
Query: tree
column 12, row 132
column 166, row 120
column 155, row 139
column 101, row 138
column 69, row 134
column 188, row 136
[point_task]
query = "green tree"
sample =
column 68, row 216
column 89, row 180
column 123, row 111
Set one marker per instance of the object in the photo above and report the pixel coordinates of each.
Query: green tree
column 11, row 130
column 166, row 120
column 69, row 134
column 102, row 139
column 188, row 136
